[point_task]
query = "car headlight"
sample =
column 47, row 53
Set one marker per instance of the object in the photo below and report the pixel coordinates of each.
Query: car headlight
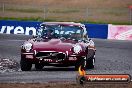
column 77, row 48
column 27, row 46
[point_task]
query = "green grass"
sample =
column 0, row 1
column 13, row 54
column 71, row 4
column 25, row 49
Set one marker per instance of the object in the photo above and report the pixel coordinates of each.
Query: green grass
column 31, row 10
column 67, row 14
column 22, row 10
column 50, row 20
column 87, row 11
column 26, row 19
column 64, row 11
column 101, row 22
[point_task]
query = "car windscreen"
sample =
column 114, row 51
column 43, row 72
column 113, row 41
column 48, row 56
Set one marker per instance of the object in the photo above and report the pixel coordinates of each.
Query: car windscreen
column 58, row 31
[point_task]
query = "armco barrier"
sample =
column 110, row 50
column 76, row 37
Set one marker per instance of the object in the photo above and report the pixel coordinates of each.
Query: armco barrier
column 30, row 28
column 120, row 32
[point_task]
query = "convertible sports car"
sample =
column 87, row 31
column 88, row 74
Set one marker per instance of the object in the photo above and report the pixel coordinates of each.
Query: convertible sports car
column 58, row 44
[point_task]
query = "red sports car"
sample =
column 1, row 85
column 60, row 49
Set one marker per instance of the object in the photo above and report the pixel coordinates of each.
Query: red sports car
column 58, row 44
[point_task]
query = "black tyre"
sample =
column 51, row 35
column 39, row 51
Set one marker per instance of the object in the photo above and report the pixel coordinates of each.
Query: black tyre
column 82, row 63
column 25, row 65
column 90, row 63
column 39, row 66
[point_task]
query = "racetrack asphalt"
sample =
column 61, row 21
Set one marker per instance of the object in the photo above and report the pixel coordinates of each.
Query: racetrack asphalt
column 112, row 57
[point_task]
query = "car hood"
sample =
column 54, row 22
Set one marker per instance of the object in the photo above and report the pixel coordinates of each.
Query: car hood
column 54, row 45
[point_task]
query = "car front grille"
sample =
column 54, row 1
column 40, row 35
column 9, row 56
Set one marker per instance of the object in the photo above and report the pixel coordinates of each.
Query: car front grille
column 51, row 55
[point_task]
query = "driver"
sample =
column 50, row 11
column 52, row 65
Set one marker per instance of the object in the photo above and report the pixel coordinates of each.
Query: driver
column 48, row 33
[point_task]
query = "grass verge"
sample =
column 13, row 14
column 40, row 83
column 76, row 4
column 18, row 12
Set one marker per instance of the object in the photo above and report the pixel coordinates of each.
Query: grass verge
column 50, row 20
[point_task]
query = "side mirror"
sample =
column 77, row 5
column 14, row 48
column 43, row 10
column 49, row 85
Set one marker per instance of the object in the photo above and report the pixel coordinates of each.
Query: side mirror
column 86, row 41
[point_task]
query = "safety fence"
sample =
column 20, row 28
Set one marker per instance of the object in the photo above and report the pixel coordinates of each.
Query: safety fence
column 60, row 12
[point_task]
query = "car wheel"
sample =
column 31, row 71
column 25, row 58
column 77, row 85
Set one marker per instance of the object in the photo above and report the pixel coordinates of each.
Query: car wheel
column 90, row 63
column 39, row 66
column 25, row 65
column 82, row 62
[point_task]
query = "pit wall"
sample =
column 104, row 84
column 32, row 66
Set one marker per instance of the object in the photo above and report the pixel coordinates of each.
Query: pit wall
column 103, row 31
